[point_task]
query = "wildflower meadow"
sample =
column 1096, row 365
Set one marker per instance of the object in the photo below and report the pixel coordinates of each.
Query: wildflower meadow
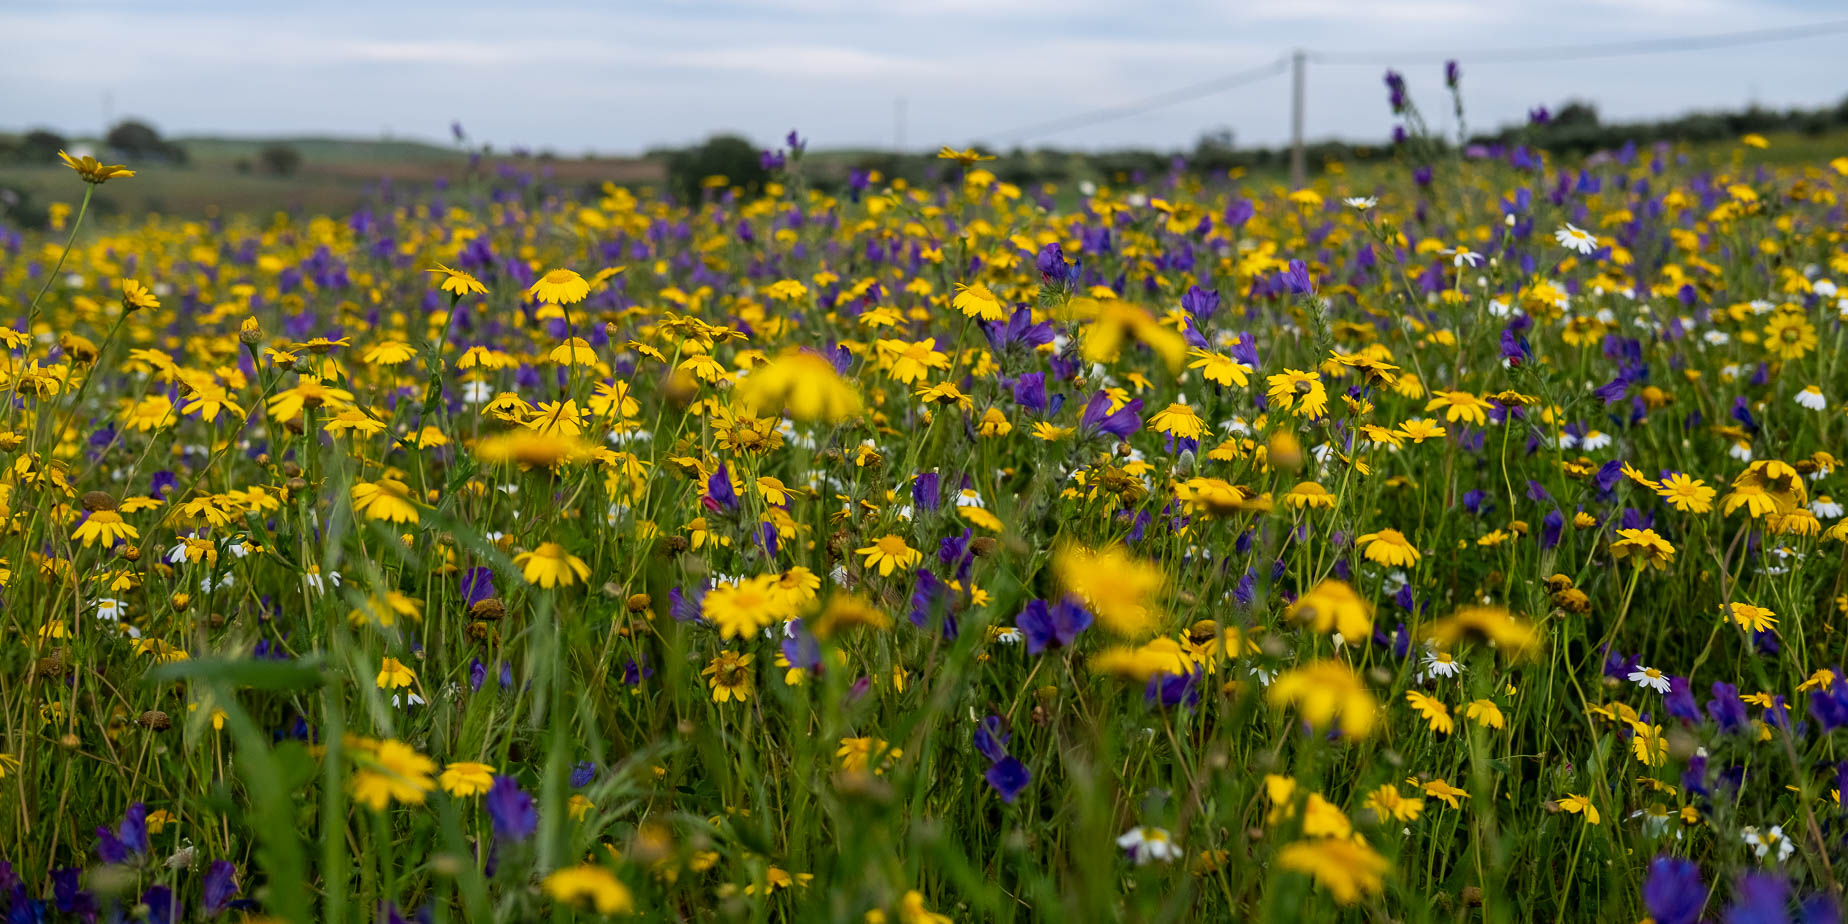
column 1450, row 539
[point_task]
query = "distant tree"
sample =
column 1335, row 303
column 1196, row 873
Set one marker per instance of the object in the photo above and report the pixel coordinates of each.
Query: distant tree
column 135, row 138
column 280, row 159
column 41, row 145
column 1576, row 113
column 729, row 156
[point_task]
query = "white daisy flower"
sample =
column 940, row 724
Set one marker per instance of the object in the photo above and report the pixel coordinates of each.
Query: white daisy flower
column 1764, row 842
column 1145, row 844
column 1009, row 635
column 1651, row 678
column 1575, row 238
column 1440, row 664
column 1811, row 397
column 1825, row 507
column 1741, row 451
column 110, row 609
column 1716, row 337
column 1463, row 256
column 1594, row 439
column 1360, row 203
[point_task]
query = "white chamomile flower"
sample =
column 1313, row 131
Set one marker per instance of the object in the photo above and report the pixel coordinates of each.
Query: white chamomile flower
column 1145, row 844
column 1594, row 439
column 1741, row 450
column 1716, row 337
column 1764, row 842
column 110, row 609
column 1825, row 507
column 1651, row 678
column 1360, row 203
column 1441, row 664
column 477, row 392
column 1811, row 397
column 1009, row 635
column 1573, row 237
column 1463, row 256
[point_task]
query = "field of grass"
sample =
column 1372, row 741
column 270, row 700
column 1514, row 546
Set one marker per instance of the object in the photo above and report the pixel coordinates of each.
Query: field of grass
column 1450, row 541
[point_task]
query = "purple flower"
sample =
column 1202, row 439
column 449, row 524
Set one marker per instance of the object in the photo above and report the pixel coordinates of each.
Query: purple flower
column 1395, row 91
column 1680, row 700
column 1726, row 708
column 991, row 738
column 1055, row 626
column 1760, row 898
column 924, row 494
column 1296, row 279
column 1008, row 776
column 1098, row 418
column 583, row 774
column 163, row 905
column 511, row 810
column 1674, row 893
column 477, row 585
column 800, row 647
column 1200, row 303
column 1452, row 74
column 1030, row 391
column 68, row 893
column 1051, row 263
column 220, row 886
column 1514, row 347
column 720, row 497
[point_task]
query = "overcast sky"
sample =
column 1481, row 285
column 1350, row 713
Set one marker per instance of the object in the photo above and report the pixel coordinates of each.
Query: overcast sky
column 619, row 77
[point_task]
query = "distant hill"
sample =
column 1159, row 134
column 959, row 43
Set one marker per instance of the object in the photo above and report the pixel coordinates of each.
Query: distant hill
column 323, row 150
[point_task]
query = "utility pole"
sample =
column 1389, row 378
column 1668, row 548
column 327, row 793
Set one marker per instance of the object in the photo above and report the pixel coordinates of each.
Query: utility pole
column 1299, row 171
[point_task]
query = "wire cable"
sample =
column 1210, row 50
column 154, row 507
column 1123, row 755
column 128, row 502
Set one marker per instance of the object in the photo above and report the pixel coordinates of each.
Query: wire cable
column 1148, row 103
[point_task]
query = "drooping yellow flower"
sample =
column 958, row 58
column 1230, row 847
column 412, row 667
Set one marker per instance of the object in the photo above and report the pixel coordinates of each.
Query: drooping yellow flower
column 106, row 527
column 550, row 565
column 1644, row 547
column 1389, row 804
column 1435, row 713
column 466, row 778
column 394, row 771
column 1178, row 420
column 393, row 675
column 1348, row 869
column 592, row 885
column 1333, row 606
column 1388, row 547
column 1327, row 694
column 742, row 609
column 1122, row 591
column 386, row 499
column 456, row 282
column 93, row 171
column 1491, row 625
column 976, row 301
column 559, row 287
column 1580, row 805
column 802, row 384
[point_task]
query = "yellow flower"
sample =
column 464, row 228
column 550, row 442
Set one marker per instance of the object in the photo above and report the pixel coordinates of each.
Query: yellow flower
column 888, row 553
column 912, row 910
column 1178, row 420
column 1347, row 869
column 1389, row 547
column 856, row 753
column 393, row 675
column 593, row 885
column 1435, row 713
column 965, row 157
column 386, row 499
column 136, row 296
column 1484, row 712
column 1311, row 495
column 1688, row 495
column 106, row 527
column 1460, row 406
column 466, row 778
column 1388, row 804
column 1220, row 368
column 1580, row 805
column 740, row 610
column 1327, row 694
column 1333, row 606
column 93, row 171
column 975, row 301
column 1118, row 588
column 1490, row 624
column 1448, row 794
column 1302, row 393
column 1750, row 618
column 1789, row 335
column 550, row 565
column 458, row 283
column 1647, row 548
column 804, row 385
column 559, row 287
column 729, row 676
column 393, row 772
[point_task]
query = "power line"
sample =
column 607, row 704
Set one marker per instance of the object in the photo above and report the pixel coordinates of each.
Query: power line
column 1147, row 103
column 1598, row 50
